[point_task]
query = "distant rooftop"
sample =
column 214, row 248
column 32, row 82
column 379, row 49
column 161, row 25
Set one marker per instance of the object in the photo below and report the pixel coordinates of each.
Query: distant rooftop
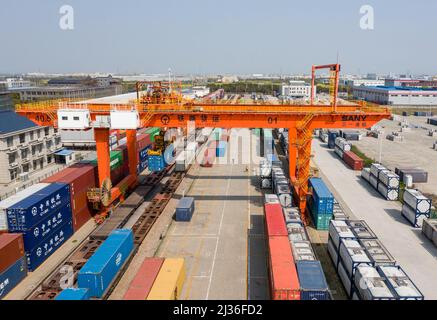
column 10, row 122
column 391, row 88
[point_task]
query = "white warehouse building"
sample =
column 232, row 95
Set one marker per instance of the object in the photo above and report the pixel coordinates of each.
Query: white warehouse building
column 297, row 89
column 397, row 95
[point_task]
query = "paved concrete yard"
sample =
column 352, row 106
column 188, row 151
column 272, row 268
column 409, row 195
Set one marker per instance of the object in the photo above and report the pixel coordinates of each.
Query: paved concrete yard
column 223, row 245
column 415, row 151
column 416, row 254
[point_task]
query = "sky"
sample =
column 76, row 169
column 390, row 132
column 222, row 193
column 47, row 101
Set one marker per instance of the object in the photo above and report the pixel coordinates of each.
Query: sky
column 217, row 37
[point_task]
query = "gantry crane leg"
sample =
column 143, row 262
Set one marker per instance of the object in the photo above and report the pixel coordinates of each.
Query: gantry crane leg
column 103, row 157
column 131, row 137
column 292, row 153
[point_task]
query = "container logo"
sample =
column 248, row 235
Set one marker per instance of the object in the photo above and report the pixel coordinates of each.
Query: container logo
column 118, row 259
column 39, row 252
column 34, row 211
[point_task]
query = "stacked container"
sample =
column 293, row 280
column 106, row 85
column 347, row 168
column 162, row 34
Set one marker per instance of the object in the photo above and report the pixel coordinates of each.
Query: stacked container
column 75, row 294
column 338, row 212
column 80, row 178
column 13, row 267
column 169, row 281
column 312, row 281
column 341, row 146
column 102, row 268
column 321, row 204
column 359, row 257
column 416, row 207
column 429, row 229
column 143, row 281
column 383, row 180
column 332, row 135
column 400, row 283
column 265, row 173
column 45, row 220
column 353, row 161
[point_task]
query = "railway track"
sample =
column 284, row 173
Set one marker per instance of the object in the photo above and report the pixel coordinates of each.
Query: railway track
column 68, row 270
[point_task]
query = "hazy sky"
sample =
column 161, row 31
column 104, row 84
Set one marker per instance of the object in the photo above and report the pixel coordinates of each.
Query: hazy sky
column 211, row 36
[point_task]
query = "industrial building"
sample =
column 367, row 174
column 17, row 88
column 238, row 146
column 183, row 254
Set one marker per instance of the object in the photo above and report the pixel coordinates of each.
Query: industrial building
column 24, row 146
column 297, row 89
column 408, row 96
column 364, row 82
column 14, row 84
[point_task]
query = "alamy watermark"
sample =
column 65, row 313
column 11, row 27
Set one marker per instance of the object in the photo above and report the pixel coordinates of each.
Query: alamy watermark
column 367, row 21
column 66, row 20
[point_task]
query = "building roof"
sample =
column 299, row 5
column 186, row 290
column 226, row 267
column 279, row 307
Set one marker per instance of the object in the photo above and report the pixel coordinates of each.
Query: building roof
column 393, row 88
column 10, row 122
column 64, row 152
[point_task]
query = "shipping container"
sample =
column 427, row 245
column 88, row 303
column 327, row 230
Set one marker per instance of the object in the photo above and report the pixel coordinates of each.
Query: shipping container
column 143, row 281
column 375, row 168
column 323, row 200
column 32, row 209
column 44, row 229
column 373, row 181
column 271, row 198
column 414, row 217
column 10, row 201
column 221, row 149
column 361, row 229
column 417, row 201
column 365, row 174
column 284, row 282
column 353, row 161
column 390, row 194
column 352, row 255
column 332, row 135
column 419, row 175
column 275, row 223
column 292, row 215
column 101, row 269
column 75, row 294
column 296, row 232
column 12, row 276
column 313, row 285
column 400, row 283
column 286, row 200
column 370, row 285
column 429, row 227
column 11, row 249
column 185, row 209
column 377, row 252
column 389, row 179
column 339, row 230
column 44, row 249
column 302, row 251
column 115, row 159
column 342, row 144
column 339, row 152
column 169, row 281
column 156, row 163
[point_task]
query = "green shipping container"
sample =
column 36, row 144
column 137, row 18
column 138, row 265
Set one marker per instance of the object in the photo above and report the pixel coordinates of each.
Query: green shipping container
column 321, row 222
column 116, row 160
column 256, row 132
column 153, row 132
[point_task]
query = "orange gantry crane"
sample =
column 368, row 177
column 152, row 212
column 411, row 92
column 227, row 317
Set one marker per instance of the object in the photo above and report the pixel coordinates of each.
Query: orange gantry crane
column 162, row 105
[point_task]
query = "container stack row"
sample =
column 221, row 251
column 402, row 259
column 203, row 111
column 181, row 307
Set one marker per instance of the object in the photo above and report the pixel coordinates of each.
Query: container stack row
column 382, row 179
column 320, row 203
column 416, row 207
column 13, row 266
column 343, row 150
column 366, row 268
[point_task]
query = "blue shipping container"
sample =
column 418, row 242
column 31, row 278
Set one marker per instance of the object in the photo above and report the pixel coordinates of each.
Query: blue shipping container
column 73, row 294
column 47, row 247
column 45, row 228
column 31, row 210
column 332, row 135
column 221, row 149
column 312, row 281
column 143, row 154
column 156, row 163
column 322, row 197
column 101, row 269
column 185, row 209
column 12, row 276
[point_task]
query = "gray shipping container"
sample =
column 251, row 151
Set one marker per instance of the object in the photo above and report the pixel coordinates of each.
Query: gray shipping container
column 419, row 175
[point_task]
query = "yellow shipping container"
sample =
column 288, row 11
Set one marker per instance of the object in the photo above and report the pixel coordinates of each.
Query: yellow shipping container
column 168, row 284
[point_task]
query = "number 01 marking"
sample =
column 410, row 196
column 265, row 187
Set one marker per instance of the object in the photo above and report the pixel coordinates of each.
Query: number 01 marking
column 272, row 120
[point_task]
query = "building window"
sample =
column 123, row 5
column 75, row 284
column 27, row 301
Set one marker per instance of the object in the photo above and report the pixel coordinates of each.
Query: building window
column 38, row 133
column 64, row 118
column 49, row 159
column 24, row 153
column 31, row 135
column 26, row 167
column 76, row 118
column 10, row 141
column 12, row 158
column 14, row 174
column 46, row 131
column 22, row 138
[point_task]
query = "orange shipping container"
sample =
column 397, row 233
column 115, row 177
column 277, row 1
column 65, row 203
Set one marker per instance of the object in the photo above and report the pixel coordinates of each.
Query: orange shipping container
column 284, row 282
column 141, row 285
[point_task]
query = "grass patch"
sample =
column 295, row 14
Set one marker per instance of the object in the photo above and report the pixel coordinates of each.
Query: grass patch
column 367, row 161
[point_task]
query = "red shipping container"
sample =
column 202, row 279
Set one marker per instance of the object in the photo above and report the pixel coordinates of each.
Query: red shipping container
column 284, row 282
column 11, row 249
column 141, row 285
column 80, row 177
column 353, row 161
column 143, row 140
column 275, row 222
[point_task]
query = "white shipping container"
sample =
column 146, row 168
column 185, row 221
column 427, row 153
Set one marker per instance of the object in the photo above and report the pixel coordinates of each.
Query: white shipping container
column 343, row 144
column 361, row 229
column 286, row 200
column 373, row 181
column 339, row 230
column 8, row 202
column 365, row 174
column 345, row 278
column 370, row 284
column 339, row 152
column 352, row 254
column 266, row 183
column 333, row 253
column 375, row 168
column 416, row 200
column 388, row 194
column 416, row 219
column 296, row 232
column 302, row 250
column 271, row 198
column 377, row 252
column 400, row 282
column 389, row 178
